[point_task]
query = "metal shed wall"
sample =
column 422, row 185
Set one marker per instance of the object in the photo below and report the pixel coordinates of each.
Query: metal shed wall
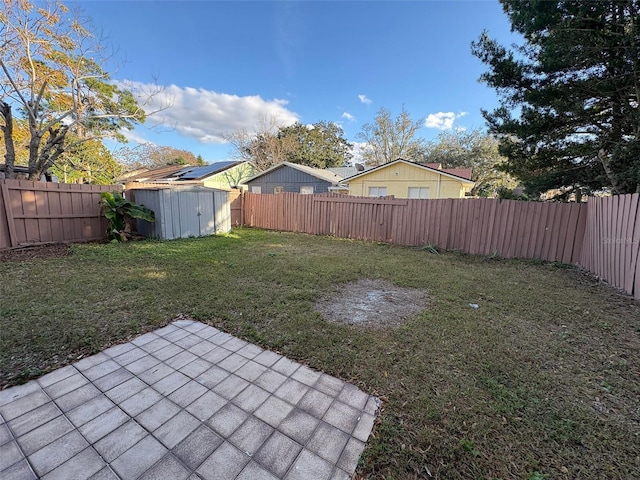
column 290, row 179
column 185, row 212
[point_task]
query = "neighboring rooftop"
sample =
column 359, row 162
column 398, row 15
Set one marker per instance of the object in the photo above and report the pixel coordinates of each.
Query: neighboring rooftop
column 325, row 175
column 178, row 173
column 200, row 172
column 460, row 173
column 348, row 171
column 150, row 174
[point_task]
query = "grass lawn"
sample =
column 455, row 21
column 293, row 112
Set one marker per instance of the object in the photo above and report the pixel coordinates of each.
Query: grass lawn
column 541, row 382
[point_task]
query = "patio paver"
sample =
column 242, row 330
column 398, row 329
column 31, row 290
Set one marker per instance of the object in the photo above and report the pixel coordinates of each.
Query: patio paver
column 185, row 401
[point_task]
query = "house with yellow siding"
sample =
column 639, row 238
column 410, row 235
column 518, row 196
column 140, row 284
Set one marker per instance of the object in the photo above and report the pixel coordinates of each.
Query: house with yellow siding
column 404, row 179
column 232, row 177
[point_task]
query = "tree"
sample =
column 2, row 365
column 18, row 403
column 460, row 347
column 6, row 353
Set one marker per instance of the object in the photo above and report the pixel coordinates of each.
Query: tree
column 473, row 149
column 261, row 146
column 321, row 145
column 148, row 155
column 387, row 139
column 87, row 162
column 574, row 87
column 18, row 137
column 52, row 76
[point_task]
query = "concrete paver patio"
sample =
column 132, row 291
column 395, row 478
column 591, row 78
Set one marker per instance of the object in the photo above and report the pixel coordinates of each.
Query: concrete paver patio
column 184, row 402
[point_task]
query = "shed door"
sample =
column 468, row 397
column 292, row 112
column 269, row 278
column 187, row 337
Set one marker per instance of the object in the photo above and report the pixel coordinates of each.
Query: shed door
column 206, row 214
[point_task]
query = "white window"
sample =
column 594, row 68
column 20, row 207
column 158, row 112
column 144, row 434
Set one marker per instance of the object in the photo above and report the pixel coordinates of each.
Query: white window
column 278, row 189
column 256, row 189
column 418, row 192
column 377, row 191
column 306, row 190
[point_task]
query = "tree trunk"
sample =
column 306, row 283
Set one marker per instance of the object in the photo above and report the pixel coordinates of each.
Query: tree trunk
column 7, row 133
column 611, row 175
column 34, row 147
column 49, row 153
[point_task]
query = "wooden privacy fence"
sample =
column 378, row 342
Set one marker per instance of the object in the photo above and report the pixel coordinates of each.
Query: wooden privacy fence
column 39, row 212
column 612, row 241
column 509, row 228
column 602, row 236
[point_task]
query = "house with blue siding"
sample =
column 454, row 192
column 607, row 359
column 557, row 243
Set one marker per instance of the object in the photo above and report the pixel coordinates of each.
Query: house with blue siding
column 292, row 177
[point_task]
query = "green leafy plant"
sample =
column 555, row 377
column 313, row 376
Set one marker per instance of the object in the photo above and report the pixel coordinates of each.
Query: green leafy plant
column 119, row 211
column 537, row 476
column 468, row 447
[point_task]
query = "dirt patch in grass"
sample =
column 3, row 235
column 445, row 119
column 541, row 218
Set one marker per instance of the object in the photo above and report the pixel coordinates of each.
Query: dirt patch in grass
column 21, row 254
column 372, row 303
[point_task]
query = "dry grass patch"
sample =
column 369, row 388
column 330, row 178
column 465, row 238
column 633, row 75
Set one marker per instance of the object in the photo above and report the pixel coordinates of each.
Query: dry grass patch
column 372, row 303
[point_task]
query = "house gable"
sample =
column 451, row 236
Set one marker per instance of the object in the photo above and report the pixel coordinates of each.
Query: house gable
column 398, row 177
column 288, row 178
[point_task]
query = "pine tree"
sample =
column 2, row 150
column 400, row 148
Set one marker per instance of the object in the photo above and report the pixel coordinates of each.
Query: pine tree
column 569, row 115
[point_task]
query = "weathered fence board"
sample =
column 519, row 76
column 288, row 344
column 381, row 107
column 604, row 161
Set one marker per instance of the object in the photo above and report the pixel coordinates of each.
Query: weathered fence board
column 612, row 241
column 549, row 231
column 39, row 212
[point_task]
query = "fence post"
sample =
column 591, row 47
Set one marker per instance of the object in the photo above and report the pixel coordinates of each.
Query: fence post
column 6, row 199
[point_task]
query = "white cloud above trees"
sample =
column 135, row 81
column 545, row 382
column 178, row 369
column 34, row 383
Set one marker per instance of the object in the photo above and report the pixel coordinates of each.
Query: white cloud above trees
column 358, row 150
column 442, row 120
column 207, row 116
column 348, row 116
column 363, row 98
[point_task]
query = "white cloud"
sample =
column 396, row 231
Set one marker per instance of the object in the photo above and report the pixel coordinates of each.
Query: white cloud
column 358, row 151
column 348, row 116
column 134, row 137
column 442, row 120
column 207, row 115
column 364, row 99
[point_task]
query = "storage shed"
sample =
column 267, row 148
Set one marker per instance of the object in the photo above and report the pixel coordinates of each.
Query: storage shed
column 183, row 212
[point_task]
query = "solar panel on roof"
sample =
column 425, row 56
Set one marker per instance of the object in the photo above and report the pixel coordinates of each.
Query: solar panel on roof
column 194, row 173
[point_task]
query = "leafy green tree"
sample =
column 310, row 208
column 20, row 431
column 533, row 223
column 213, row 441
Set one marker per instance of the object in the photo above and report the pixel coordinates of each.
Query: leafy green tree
column 569, row 115
column 473, row 149
column 321, row 145
column 260, row 145
column 387, row 138
column 87, row 162
column 52, row 76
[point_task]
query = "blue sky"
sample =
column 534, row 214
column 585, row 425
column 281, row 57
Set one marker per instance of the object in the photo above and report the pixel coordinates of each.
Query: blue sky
column 225, row 65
